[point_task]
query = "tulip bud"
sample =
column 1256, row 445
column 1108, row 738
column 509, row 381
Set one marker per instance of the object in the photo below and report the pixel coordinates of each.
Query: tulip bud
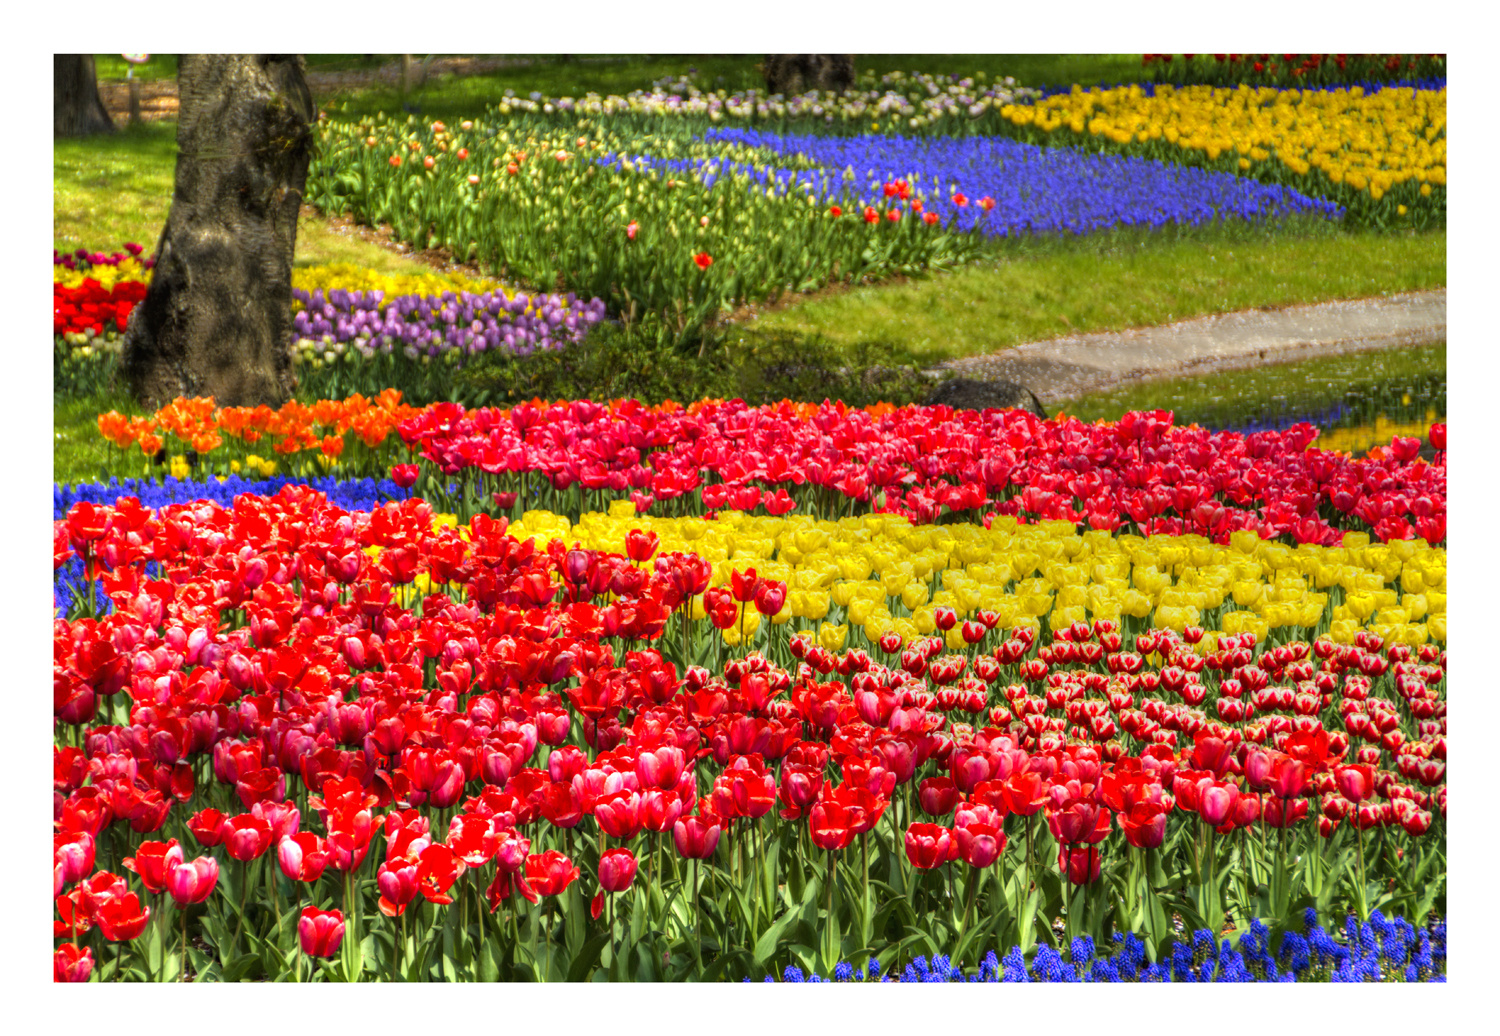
column 320, row 932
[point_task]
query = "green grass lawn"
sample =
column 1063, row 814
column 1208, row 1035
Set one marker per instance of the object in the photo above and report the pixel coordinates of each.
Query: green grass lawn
column 110, row 190
column 1111, row 282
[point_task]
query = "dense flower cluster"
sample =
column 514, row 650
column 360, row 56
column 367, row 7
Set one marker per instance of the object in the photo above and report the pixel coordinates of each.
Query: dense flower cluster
column 201, row 426
column 553, row 204
column 89, row 308
column 354, row 323
column 282, row 655
column 1294, row 69
column 897, row 100
column 1380, row 950
column 1140, row 472
column 1388, row 146
column 1026, row 189
column 349, row 277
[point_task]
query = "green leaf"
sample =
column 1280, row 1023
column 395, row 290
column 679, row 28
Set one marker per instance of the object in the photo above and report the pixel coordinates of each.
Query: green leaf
column 237, row 968
column 715, row 971
column 766, row 945
column 588, row 957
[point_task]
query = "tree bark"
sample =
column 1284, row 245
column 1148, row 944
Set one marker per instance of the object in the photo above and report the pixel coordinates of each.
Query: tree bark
column 77, row 110
column 217, row 319
column 797, row 73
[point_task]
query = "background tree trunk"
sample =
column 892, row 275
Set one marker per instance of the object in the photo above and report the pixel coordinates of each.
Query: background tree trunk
column 77, row 110
column 217, row 319
column 797, row 73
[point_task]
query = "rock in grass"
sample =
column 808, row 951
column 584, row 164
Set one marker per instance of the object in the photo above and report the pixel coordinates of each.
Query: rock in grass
column 970, row 394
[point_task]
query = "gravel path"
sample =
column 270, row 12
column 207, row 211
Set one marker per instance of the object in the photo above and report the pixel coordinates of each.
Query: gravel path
column 1065, row 368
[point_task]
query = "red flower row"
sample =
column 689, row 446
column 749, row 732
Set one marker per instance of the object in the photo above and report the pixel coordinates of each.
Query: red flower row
column 924, row 461
column 89, row 306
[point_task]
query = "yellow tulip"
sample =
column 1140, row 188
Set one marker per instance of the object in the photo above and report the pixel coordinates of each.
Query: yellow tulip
column 832, row 637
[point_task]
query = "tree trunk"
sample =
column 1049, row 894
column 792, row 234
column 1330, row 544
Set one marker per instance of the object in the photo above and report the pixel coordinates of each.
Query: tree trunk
column 217, row 319
column 77, row 110
column 797, row 73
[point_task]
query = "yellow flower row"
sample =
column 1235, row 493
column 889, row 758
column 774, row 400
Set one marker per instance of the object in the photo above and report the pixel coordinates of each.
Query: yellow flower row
column 1359, row 438
column 1371, row 142
column 308, row 278
column 106, row 276
column 357, row 278
column 887, row 574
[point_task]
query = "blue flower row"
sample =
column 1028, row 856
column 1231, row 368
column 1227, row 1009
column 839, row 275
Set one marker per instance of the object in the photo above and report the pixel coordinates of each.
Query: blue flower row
column 1381, row 950
column 1036, row 190
column 358, row 494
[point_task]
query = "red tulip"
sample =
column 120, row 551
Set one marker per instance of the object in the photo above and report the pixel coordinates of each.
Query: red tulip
column 397, row 881
column 1288, row 777
column 1284, row 812
column 1211, row 753
column 550, row 873
column 640, row 546
column 404, row 475
column 832, row 823
column 1026, row 793
column 619, row 814
column 1356, row 781
column 930, row 845
column 70, row 964
column 437, row 869
column 1216, row 801
column 562, row 805
column 473, row 839
column 246, row 836
column 1079, row 863
column 617, row 869
column 1145, row 824
column 151, row 861
column 1081, row 821
column 320, row 932
column 302, row 856
column 192, row 881
column 938, row 796
column 122, row 918
column 979, row 844
column 73, row 852
column 696, row 836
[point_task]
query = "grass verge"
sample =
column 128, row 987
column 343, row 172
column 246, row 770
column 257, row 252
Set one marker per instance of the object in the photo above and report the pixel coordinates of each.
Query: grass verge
column 1388, row 378
column 1034, row 291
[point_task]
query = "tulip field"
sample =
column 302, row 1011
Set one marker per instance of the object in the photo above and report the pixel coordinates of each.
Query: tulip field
column 377, row 687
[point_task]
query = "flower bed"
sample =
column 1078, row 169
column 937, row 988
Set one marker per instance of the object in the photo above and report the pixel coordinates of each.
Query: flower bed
column 1295, row 70
column 393, row 674
column 926, row 463
column 1005, row 188
column 1381, row 156
column 1380, row 950
column 358, row 331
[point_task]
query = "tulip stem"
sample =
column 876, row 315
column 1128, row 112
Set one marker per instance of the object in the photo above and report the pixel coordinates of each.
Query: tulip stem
column 697, row 917
column 832, row 875
column 398, row 951
column 968, row 903
column 182, row 969
column 1359, row 900
column 239, row 922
